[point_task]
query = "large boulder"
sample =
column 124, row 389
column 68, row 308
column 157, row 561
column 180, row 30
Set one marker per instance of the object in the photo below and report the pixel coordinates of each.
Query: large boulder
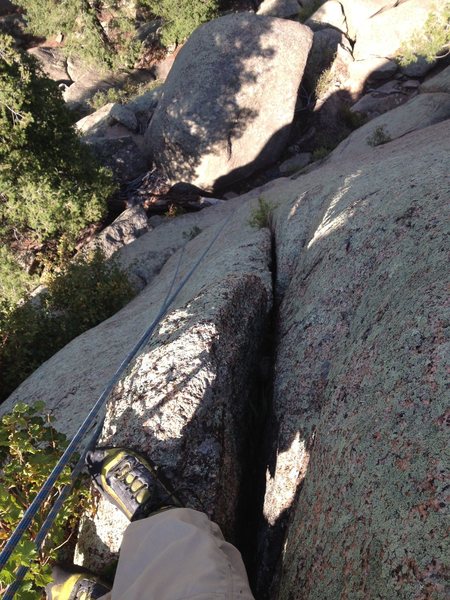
column 279, row 8
column 330, row 14
column 359, row 11
column 229, row 100
column 358, row 429
column 385, row 31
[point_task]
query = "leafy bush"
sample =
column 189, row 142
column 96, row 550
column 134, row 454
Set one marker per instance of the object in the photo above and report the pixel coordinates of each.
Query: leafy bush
column 83, row 294
column 321, row 152
column 379, row 136
column 29, row 449
column 50, row 187
column 100, row 32
column 88, row 291
column 121, row 95
column 14, row 281
column 181, row 17
column 261, row 216
column 324, row 83
column 431, row 40
column 352, row 120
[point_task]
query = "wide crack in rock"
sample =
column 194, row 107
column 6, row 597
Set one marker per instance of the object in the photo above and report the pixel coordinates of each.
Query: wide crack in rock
column 187, row 400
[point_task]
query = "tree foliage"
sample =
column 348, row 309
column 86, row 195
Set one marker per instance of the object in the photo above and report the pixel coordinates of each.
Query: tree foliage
column 29, row 449
column 432, row 40
column 85, row 292
column 50, row 188
column 15, row 282
column 181, row 17
column 100, row 32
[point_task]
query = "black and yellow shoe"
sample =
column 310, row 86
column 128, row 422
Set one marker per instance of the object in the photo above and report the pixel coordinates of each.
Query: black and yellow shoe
column 130, row 482
column 74, row 585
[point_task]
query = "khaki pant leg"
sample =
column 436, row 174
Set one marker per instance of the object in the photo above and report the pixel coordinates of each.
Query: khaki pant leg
column 178, row 554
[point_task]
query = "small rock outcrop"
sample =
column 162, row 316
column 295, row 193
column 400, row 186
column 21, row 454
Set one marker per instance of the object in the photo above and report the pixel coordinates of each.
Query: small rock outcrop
column 330, row 14
column 388, row 28
column 378, row 30
column 53, row 62
column 90, row 81
column 229, row 99
column 130, row 225
column 279, row 8
column 421, row 111
column 110, row 132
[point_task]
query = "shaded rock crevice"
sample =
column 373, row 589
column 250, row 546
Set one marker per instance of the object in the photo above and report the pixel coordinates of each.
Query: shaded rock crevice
column 188, row 400
column 251, row 505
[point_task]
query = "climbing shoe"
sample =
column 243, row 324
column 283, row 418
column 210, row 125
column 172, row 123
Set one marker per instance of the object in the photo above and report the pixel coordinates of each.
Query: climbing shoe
column 68, row 585
column 130, row 482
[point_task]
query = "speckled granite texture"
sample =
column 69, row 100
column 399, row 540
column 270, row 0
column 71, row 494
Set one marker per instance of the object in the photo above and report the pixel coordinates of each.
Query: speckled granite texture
column 360, row 396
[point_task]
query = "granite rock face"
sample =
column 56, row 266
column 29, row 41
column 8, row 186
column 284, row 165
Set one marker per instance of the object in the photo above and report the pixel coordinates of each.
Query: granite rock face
column 186, row 400
column 420, row 112
column 130, row 225
column 354, row 476
column 383, row 33
column 228, row 102
column 360, row 376
column 52, row 61
column 437, row 83
column 279, row 8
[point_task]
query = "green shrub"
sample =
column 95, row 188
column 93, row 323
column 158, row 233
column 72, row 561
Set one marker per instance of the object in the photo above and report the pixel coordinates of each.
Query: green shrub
column 87, row 291
column 181, row 17
column 83, row 294
column 100, row 32
column 50, row 187
column 379, row 136
column 352, row 120
column 261, row 215
column 29, row 449
column 174, row 210
column 321, row 152
column 324, row 83
column 429, row 41
column 122, row 95
column 14, row 281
